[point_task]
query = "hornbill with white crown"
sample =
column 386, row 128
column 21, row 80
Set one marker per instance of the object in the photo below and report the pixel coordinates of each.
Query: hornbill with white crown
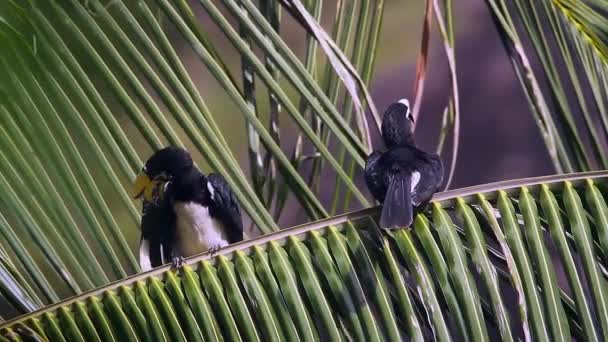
column 404, row 177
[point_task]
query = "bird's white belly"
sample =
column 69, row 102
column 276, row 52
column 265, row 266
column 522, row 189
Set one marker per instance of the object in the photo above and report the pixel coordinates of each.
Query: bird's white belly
column 196, row 230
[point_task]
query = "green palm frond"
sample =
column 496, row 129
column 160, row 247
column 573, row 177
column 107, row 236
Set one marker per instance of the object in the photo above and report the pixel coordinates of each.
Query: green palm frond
column 480, row 259
column 569, row 41
column 89, row 88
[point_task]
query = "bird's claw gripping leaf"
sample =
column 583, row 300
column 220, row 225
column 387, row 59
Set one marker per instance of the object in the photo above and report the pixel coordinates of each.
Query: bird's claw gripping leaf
column 213, row 250
column 178, row 262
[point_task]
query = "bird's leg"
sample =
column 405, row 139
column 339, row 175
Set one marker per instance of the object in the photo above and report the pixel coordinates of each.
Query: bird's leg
column 178, row 262
column 213, row 250
column 422, row 206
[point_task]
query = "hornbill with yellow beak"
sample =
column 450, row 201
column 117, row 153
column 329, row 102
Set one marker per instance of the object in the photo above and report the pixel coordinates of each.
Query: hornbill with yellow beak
column 184, row 212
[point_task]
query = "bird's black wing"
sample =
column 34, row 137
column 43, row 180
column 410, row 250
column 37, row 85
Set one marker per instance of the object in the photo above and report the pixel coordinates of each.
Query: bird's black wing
column 431, row 178
column 157, row 225
column 374, row 176
column 225, row 207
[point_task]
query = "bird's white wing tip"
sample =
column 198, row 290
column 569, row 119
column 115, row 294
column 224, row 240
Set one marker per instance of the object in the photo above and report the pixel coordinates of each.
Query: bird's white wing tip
column 144, row 255
column 414, row 180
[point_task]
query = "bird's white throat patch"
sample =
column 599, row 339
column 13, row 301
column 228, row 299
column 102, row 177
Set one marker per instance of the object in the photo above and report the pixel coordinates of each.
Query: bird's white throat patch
column 196, row 230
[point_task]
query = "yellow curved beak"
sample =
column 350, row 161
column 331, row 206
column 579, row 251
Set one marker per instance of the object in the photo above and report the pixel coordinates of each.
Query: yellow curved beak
column 148, row 188
column 143, row 186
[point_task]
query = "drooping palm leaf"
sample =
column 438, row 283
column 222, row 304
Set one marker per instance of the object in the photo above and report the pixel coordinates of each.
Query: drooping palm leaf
column 442, row 11
column 477, row 261
column 569, row 40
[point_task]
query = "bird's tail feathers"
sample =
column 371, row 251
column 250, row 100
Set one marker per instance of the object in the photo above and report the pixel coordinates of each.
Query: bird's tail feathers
column 397, row 210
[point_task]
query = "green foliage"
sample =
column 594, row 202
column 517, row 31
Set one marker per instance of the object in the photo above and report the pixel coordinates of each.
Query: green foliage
column 89, row 88
column 447, row 278
column 566, row 93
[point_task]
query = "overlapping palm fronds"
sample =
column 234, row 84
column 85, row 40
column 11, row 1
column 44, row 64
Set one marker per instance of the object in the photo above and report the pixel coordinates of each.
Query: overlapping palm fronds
column 447, row 279
column 89, row 89
column 559, row 51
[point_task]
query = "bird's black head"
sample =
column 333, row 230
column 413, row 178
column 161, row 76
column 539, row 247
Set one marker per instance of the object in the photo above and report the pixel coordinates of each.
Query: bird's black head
column 169, row 162
column 398, row 124
column 164, row 165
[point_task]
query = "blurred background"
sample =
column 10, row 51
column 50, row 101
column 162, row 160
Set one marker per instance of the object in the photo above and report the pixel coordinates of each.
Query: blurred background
column 499, row 139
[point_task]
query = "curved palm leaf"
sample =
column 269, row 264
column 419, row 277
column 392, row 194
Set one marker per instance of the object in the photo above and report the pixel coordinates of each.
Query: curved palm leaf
column 341, row 278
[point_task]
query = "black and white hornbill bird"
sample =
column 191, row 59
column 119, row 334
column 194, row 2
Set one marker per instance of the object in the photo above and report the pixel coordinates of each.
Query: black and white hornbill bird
column 404, row 177
column 184, row 211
